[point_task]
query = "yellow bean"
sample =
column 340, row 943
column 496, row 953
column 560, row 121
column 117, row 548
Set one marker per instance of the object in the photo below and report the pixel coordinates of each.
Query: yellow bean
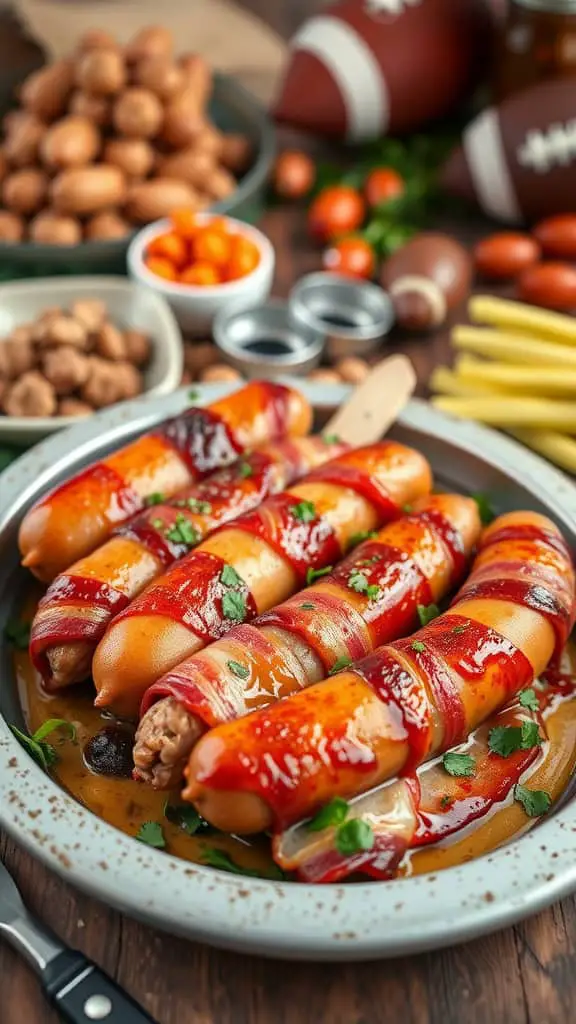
column 506, row 411
column 544, row 381
column 558, row 448
column 512, row 348
column 520, row 318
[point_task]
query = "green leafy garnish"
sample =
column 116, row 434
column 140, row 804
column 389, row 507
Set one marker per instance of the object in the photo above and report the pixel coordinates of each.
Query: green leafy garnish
column 340, row 664
column 245, row 469
column 158, row 524
column 505, row 740
column 43, row 753
column 462, row 628
column 528, row 699
column 417, row 645
column 157, row 498
column 459, row 765
column 354, row 835
column 427, row 612
column 534, row 801
column 150, row 832
column 308, row 606
column 182, row 532
column 229, row 577
column 186, row 817
column 194, row 504
column 238, row 669
column 407, row 509
column 487, row 513
column 315, row 574
column 359, row 538
column 445, row 801
column 234, row 606
column 193, row 395
column 17, row 633
column 304, row 511
column 331, row 439
column 221, row 860
column 333, row 813
column 358, row 581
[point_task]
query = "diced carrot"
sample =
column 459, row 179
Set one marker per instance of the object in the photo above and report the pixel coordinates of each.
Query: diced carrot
column 200, row 273
column 171, row 246
column 161, row 267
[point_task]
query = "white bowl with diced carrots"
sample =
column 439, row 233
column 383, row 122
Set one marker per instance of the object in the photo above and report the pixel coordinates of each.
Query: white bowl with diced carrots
column 200, row 262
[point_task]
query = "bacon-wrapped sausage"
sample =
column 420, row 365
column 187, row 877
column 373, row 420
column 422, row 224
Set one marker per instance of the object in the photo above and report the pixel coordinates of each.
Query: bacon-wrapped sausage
column 79, row 605
column 370, row 598
column 80, row 514
column 403, row 704
column 253, row 564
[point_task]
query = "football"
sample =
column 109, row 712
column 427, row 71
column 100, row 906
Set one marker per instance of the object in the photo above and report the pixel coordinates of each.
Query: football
column 517, row 161
column 366, row 68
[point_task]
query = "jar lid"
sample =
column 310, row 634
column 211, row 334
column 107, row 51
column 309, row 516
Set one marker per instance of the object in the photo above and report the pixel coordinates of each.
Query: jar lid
column 552, row 6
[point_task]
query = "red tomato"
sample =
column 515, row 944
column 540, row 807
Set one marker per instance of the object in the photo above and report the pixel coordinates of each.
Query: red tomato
column 382, row 184
column 169, row 246
column 200, row 273
column 336, row 210
column 244, row 259
column 294, row 174
column 162, row 267
column 351, row 256
column 212, row 246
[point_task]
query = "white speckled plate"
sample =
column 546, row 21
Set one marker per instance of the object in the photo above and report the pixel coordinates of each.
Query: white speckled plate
column 333, row 922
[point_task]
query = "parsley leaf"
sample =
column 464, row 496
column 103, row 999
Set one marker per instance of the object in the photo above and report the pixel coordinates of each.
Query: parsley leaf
column 17, row 633
column 459, row 765
column 354, row 835
column 308, row 606
column 340, row 664
column 315, row 574
column 407, row 509
column 194, row 504
column 186, row 817
column 358, row 581
column 304, row 511
column 150, row 832
column 333, row 813
column 331, row 439
column 359, row 538
column 427, row 612
column 182, row 532
column 238, row 669
column 234, row 606
column 44, row 753
column 534, row 801
column 485, row 509
column 193, row 395
column 417, row 645
column 445, row 801
column 244, row 470
column 221, row 860
column 528, row 699
column 157, row 498
column 462, row 628
column 229, row 577
column 373, row 591
column 530, row 735
column 51, row 725
column 507, row 739
column 157, row 523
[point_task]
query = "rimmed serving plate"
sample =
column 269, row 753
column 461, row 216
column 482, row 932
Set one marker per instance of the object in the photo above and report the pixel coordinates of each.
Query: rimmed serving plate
column 285, row 919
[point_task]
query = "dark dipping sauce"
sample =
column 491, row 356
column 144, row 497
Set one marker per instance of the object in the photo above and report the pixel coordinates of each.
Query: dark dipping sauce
column 334, row 320
column 268, row 347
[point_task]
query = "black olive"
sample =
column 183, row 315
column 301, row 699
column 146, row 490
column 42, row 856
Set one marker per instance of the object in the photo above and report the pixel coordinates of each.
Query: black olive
column 109, row 752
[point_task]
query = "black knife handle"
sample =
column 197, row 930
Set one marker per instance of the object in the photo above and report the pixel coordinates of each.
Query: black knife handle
column 82, row 993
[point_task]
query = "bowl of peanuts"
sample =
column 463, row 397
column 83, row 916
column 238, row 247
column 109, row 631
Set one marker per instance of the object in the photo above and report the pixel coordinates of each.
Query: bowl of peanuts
column 72, row 346
column 201, row 262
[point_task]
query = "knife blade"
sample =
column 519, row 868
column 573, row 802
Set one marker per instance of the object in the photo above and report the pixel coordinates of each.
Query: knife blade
column 79, row 990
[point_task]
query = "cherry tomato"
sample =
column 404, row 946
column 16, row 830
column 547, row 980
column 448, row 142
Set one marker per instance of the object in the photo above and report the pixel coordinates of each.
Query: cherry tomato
column 200, row 273
column 294, row 174
column 351, row 256
column 244, row 259
column 210, row 245
column 170, row 246
column 161, row 267
column 336, row 210
column 184, row 221
column 382, row 184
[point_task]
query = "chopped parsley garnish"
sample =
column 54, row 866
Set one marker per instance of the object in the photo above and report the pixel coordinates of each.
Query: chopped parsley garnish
column 158, row 524
column 238, row 669
column 534, row 801
column 234, row 606
column 304, row 511
column 315, row 574
column 462, row 628
column 358, row 581
column 150, row 832
column 407, row 509
column 505, row 740
column 354, row 835
column 333, row 813
column 186, row 817
column 44, row 753
column 427, row 612
column 194, row 504
column 459, row 765
column 182, row 532
column 17, row 633
column 245, row 470
column 485, row 509
column 417, row 645
column 359, row 538
column 193, row 395
column 221, row 860
column 528, row 699
column 340, row 664
column 157, row 498
column 445, row 801
column 308, row 606
column 229, row 577
column 331, row 439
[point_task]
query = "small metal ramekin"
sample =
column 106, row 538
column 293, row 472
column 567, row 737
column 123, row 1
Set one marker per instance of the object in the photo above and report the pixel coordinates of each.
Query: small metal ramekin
column 267, row 340
column 355, row 315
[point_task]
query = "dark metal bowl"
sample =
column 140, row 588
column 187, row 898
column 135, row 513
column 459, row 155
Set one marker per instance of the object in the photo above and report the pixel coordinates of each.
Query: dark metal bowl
column 232, row 109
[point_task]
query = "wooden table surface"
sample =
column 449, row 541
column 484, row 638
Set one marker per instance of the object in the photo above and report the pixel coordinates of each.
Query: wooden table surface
column 524, row 975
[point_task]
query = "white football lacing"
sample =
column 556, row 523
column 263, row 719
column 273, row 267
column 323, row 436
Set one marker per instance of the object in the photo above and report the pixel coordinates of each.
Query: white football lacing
column 391, row 7
column 556, row 147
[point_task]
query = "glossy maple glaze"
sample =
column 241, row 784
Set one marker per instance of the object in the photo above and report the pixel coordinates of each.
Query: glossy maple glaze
column 80, row 604
column 307, row 527
column 408, row 701
column 81, row 513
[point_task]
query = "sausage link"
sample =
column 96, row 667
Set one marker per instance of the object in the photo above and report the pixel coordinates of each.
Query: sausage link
column 79, row 605
column 403, row 704
column 81, row 513
column 370, row 598
column 251, row 565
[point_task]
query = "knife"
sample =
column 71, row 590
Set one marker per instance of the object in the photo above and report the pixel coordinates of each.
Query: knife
column 79, row 990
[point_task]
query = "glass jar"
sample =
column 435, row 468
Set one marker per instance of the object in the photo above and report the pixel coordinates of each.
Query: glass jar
column 537, row 42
